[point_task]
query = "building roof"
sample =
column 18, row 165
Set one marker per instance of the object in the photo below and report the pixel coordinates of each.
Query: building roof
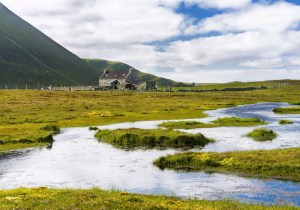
column 115, row 75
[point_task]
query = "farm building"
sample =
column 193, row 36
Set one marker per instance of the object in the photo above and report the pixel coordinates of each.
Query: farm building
column 117, row 80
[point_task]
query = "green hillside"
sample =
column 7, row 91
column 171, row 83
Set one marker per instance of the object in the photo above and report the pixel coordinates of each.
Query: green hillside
column 27, row 56
column 102, row 65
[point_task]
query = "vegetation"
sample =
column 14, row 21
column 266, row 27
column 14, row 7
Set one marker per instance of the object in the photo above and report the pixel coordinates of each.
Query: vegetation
column 133, row 138
column 284, row 122
column 278, row 164
column 241, row 122
column 230, row 121
column 20, row 118
column 287, row 110
column 262, row 134
column 93, row 128
column 186, row 125
column 295, row 103
column 52, row 128
column 43, row 198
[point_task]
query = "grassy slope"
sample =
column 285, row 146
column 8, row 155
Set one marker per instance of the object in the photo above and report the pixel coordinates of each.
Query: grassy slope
column 99, row 199
column 23, row 113
column 101, row 65
column 279, row 164
column 27, row 56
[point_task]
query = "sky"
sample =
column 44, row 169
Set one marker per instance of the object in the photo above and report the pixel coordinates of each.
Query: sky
column 185, row 40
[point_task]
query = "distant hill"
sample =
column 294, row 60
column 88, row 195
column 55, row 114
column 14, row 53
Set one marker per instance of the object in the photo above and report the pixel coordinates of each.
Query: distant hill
column 27, row 56
column 102, row 65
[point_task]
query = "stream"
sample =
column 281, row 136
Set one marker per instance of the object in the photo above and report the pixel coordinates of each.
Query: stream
column 78, row 160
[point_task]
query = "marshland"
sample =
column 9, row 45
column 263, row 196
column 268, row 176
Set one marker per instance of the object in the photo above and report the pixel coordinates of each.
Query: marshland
column 242, row 169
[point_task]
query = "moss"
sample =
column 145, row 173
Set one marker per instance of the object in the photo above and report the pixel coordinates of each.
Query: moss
column 134, row 138
column 236, row 121
column 279, row 164
column 262, row 134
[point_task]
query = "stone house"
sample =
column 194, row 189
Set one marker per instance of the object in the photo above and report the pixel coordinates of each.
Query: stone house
column 117, row 80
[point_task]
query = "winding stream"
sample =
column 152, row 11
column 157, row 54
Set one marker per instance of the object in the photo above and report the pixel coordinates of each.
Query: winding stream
column 78, row 160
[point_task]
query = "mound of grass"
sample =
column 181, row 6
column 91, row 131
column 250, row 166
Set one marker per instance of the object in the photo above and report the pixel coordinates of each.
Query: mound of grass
column 135, row 138
column 287, row 110
column 43, row 198
column 186, row 125
column 262, row 134
column 240, row 122
column 279, row 164
column 285, row 122
column 93, row 128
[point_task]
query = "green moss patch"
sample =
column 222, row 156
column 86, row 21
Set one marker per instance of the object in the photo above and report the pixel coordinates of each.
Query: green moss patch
column 186, row 125
column 279, row 164
column 240, row 122
column 134, row 138
column 262, row 134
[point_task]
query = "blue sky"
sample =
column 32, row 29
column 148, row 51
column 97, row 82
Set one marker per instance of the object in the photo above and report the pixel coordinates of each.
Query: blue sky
column 185, row 40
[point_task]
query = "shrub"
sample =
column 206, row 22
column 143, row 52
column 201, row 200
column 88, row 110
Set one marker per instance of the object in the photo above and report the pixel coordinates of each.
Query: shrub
column 52, row 128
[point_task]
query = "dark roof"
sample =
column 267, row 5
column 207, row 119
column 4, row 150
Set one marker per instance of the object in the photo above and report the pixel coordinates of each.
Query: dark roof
column 115, row 75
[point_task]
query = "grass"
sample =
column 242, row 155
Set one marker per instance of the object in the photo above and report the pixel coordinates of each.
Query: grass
column 186, row 125
column 285, row 122
column 262, row 134
column 159, row 138
column 43, row 198
column 240, row 122
column 24, row 112
column 278, row 164
column 287, row 110
column 228, row 122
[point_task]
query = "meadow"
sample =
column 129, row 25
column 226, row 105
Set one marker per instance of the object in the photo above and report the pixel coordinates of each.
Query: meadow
column 24, row 112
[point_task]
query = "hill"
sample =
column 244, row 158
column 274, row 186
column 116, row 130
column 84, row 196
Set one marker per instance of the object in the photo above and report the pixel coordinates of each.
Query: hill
column 27, row 56
column 102, row 65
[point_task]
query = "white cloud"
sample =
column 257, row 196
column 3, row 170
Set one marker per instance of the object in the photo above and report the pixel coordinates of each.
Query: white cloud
column 257, row 36
column 220, row 4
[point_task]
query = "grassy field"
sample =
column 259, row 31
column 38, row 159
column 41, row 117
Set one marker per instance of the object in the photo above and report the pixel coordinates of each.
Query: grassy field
column 42, row 198
column 278, row 164
column 23, row 113
column 159, row 138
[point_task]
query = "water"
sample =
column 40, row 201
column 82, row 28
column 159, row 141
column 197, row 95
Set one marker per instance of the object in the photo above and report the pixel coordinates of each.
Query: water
column 78, row 160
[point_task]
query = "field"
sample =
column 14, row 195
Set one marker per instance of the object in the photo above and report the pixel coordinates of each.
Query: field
column 24, row 112
column 263, row 164
column 43, row 198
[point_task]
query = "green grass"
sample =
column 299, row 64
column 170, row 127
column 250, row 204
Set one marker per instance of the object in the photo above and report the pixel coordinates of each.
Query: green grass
column 278, row 164
column 186, row 125
column 228, row 122
column 153, row 138
column 42, row 198
column 240, row 122
column 287, row 110
column 285, row 122
column 23, row 113
column 262, row 134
